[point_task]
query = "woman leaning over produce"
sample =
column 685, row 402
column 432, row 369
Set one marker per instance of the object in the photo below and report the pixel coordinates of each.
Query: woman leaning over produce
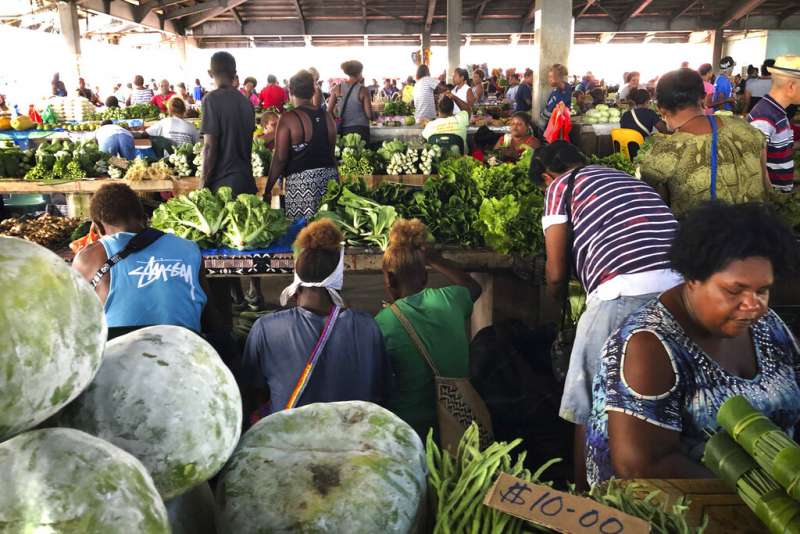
column 615, row 232
column 667, row 370
column 305, row 139
column 682, row 167
column 351, row 363
column 437, row 316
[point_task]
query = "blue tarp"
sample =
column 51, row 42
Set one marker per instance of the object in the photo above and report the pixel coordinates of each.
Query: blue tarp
column 281, row 246
column 22, row 139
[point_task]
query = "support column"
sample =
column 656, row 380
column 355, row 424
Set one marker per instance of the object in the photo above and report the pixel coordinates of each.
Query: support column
column 454, row 21
column 183, row 58
column 426, row 47
column 717, row 42
column 553, row 34
column 68, row 17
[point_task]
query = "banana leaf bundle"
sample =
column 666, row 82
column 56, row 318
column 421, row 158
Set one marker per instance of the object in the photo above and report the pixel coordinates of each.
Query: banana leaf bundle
column 768, row 445
column 759, row 491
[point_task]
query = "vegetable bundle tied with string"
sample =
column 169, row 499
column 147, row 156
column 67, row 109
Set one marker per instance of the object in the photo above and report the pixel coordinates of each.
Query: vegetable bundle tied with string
column 759, row 491
column 769, row 446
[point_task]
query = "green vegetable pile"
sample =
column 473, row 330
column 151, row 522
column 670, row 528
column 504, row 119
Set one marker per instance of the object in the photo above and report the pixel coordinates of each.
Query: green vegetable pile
column 461, row 481
column 364, row 222
column 216, row 219
column 474, row 205
column 181, row 161
column 616, row 161
column 250, row 223
column 136, row 111
column 261, row 158
column 14, row 162
column 398, row 108
column 467, row 204
column 67, row 160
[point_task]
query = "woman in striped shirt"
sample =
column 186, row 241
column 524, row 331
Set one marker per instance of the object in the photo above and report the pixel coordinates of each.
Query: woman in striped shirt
column 615, row 232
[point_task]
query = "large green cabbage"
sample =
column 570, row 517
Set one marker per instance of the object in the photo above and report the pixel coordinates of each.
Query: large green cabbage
column 325, row 468
column 52, row 332
column 165, row 396
column 63, row 481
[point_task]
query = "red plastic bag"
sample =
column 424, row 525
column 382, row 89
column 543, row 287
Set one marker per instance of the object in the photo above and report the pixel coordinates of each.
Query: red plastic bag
column 559, row 125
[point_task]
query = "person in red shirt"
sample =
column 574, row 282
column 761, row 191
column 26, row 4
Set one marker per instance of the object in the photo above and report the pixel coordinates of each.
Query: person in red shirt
column 273, row 95
column 160, row 100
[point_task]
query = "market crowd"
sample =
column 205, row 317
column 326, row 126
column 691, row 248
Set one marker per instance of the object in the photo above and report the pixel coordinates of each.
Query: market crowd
column 677, row 266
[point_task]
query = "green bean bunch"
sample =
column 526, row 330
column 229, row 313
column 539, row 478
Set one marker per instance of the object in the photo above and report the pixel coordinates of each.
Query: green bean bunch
column 460, row 482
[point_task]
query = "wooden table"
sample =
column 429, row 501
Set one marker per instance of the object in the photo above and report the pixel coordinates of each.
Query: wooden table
column 726, row 512
column 512, row 288
column 79, row 193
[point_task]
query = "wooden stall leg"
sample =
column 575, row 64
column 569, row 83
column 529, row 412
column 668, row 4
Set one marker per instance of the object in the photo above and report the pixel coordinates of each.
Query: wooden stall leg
column 483, row 310
column 78, row 205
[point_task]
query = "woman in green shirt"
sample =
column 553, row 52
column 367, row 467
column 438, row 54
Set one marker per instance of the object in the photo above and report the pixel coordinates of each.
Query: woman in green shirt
column 437, row 315
column 679, row 165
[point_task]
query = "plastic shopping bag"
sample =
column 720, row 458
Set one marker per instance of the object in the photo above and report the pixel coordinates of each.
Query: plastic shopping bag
column 559, row 125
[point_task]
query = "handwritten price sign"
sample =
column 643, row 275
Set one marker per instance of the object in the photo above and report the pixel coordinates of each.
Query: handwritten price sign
column 558, row 510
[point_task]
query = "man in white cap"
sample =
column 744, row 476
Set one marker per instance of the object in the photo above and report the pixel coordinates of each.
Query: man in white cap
column 723, row 88
column 769, row 116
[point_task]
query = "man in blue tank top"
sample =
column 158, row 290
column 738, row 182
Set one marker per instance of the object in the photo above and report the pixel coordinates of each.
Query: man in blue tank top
column 161, row 284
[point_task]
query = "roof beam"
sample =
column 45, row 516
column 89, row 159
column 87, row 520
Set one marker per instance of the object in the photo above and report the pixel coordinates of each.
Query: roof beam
column 191, row 10
column 128, row 13
column 634, row 11
column 530, row 14
column 429, row 14
column 585, row 8
column 683, row 10
column 481, row 8
column 739, row 10
column 364, row 18
column 238, row 17
column 146, row 7
column 788, row 12
column 299, row 11
column 222, row 6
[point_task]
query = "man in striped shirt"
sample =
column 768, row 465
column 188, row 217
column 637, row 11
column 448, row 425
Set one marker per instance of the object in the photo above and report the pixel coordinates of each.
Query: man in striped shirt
column 140, row 93
column 769, row 116
column 621, row 235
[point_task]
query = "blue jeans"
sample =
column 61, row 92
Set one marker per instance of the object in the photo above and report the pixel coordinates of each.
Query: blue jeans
column 600, row 320
column 119, row 145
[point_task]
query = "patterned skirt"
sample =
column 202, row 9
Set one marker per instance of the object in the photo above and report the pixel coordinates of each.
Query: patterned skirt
column 305, row 189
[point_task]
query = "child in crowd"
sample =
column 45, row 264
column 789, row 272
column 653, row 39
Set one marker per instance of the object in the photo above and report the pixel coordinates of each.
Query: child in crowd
column 269, row 121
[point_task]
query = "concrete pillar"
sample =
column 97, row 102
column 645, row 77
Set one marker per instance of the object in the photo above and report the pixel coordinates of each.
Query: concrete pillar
column 180, row 50
column 68, row 17
column 553, row 30
column 454, row 20
column 717, row 43
column 426, row 47
column 782, row 42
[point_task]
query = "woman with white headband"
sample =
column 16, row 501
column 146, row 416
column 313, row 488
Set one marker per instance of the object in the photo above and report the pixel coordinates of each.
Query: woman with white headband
column 318, row 351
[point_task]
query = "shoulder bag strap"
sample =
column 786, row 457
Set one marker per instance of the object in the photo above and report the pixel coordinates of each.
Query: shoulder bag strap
column 140, row 241
column 409, row 328
column 638, row 122
column 714, row 142
column 346, row 100
column 565, row 311
column 311, row 364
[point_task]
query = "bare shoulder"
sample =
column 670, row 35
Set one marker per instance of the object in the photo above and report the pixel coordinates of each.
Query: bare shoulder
column 648, row 368
column 90, row 259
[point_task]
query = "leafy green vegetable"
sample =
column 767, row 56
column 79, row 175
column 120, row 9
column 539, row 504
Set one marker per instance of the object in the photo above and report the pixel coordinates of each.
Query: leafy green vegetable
column 496, row 216
column 197, row 216
column 364, row 222
column 616, row 161
column 250, row 223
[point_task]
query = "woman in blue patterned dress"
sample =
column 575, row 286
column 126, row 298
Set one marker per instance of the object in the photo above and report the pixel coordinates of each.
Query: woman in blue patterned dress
column 672, row 363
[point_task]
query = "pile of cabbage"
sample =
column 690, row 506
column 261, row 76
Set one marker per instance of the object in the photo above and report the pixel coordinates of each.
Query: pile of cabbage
column 123, row 436
column 218, row 220
column 602, row 114
column 96, row 436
